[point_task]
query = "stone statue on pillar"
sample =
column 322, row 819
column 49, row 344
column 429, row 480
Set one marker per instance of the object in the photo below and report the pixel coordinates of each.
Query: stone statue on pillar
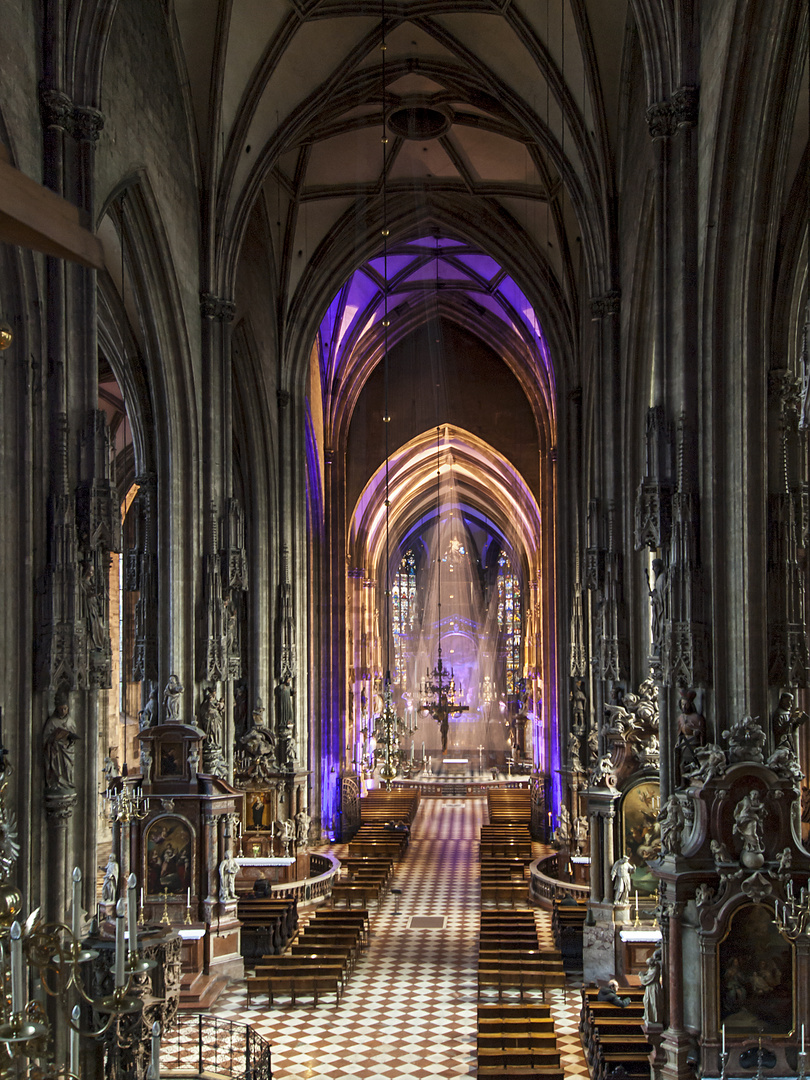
column 620, row 875
column 653, row 994
column 109, row 887
column 59, row 738
column 172, row 697
column 228, row 869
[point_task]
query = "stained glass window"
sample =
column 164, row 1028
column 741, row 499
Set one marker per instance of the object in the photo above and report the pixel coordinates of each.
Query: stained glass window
column 509, row 620
column 404, row 609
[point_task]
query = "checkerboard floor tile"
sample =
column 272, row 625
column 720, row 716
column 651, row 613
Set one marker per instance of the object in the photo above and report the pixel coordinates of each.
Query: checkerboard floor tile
column 409, row 1009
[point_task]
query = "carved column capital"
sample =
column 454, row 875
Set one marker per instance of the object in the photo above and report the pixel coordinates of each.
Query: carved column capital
column 661, row 120
column 685, row 102
column 56, row 109
column 59, row 807
column 216, row 307
column 87, row 123
column 606, row 304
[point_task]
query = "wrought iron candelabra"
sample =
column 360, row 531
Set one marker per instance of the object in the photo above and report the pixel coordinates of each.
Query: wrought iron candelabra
column 794, row 921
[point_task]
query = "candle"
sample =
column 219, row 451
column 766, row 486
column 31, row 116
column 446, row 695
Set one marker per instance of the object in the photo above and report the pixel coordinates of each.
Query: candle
column 141, row 897
column 119, row 944
column 132, row 913
column 724, row 1038
column 76, row 914
column 188, row 897
column 154, row 1064
column 802, row 1038
column 17, row 977
column 74, row 1041
column 636, row 903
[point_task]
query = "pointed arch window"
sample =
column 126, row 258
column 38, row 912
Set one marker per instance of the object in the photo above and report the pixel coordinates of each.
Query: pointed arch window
column 404, row 609
column 510, row 621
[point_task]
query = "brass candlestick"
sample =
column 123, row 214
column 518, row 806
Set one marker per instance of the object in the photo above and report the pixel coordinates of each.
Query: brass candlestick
column 187, row 920
column 164, row 918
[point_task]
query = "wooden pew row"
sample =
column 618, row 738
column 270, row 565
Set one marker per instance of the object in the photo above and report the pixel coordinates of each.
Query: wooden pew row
column 613, row 1036
column 359, row 918
column 504, row 893
column 296, row 983
column 267, row 925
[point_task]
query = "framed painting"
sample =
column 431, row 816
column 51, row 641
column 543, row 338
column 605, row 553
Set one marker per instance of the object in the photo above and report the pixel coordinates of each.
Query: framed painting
column 756, row 966
column 169, row 858
column 641, row 832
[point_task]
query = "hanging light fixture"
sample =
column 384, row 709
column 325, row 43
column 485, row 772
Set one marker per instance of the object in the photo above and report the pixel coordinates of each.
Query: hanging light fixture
column 388, row 726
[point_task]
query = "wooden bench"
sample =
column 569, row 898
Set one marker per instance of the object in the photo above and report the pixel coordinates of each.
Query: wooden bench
column 295, row 983
column 349, row 893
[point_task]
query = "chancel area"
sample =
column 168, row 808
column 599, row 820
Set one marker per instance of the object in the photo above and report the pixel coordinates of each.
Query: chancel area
column 404, row 413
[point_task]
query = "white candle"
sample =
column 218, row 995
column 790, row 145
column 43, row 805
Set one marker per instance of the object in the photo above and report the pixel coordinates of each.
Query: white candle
column 119, row 944
column 132, row 913
column 188, row 897
column 636, row 903
column 141, row 897
column 802, row 1038
column 154, row 1064
column 724, row 1038
column 74, row 1041
column 17, row 977
column 76, row 914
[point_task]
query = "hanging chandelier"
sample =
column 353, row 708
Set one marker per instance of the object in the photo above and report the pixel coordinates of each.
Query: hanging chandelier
column 388, row 726
column 439, row 685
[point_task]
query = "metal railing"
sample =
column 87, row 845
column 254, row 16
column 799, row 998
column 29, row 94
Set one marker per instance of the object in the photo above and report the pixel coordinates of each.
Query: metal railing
column 199, row 1044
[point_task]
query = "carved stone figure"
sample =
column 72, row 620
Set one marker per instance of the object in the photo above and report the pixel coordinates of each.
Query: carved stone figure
column 228, row 869
column 573, row 752
column 302, row 822
column 785, row 723
column 147, row 716
column 580, row 833
column 603, row 770
column 110, row 767
column 562, row 834
column 721, row 852
column 285, row 831
column 193, row 761
column 783, row 761
column 672, row 820
column 171, row 700
column 651, row 981
column 620, row 875
column 285, row 723
column 710, row 761
column 109, row 887
column 593, row 745
column 704, row 894
column 579, row 704
column 93, row 608
column 657, row 604
column 58, row 746
column 146, row 763
column 212, row 710
column 746, row 740
column 260, row 746
column 240, row 711
column 749, row 815
column 691, row 732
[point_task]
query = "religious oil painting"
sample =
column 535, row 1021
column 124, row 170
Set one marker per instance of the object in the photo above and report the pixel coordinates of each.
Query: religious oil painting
column 642, row 832
column 168, row 857
column 756, row 975
column 171, row 756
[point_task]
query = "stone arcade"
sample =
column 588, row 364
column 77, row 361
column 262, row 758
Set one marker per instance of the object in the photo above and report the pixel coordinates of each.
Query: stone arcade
column 322, row 359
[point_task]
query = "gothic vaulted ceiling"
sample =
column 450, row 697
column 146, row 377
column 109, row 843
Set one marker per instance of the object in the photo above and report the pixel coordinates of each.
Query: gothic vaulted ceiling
column 501, row 116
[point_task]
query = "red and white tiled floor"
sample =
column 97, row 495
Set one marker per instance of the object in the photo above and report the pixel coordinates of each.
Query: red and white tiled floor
column 409, row 1008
